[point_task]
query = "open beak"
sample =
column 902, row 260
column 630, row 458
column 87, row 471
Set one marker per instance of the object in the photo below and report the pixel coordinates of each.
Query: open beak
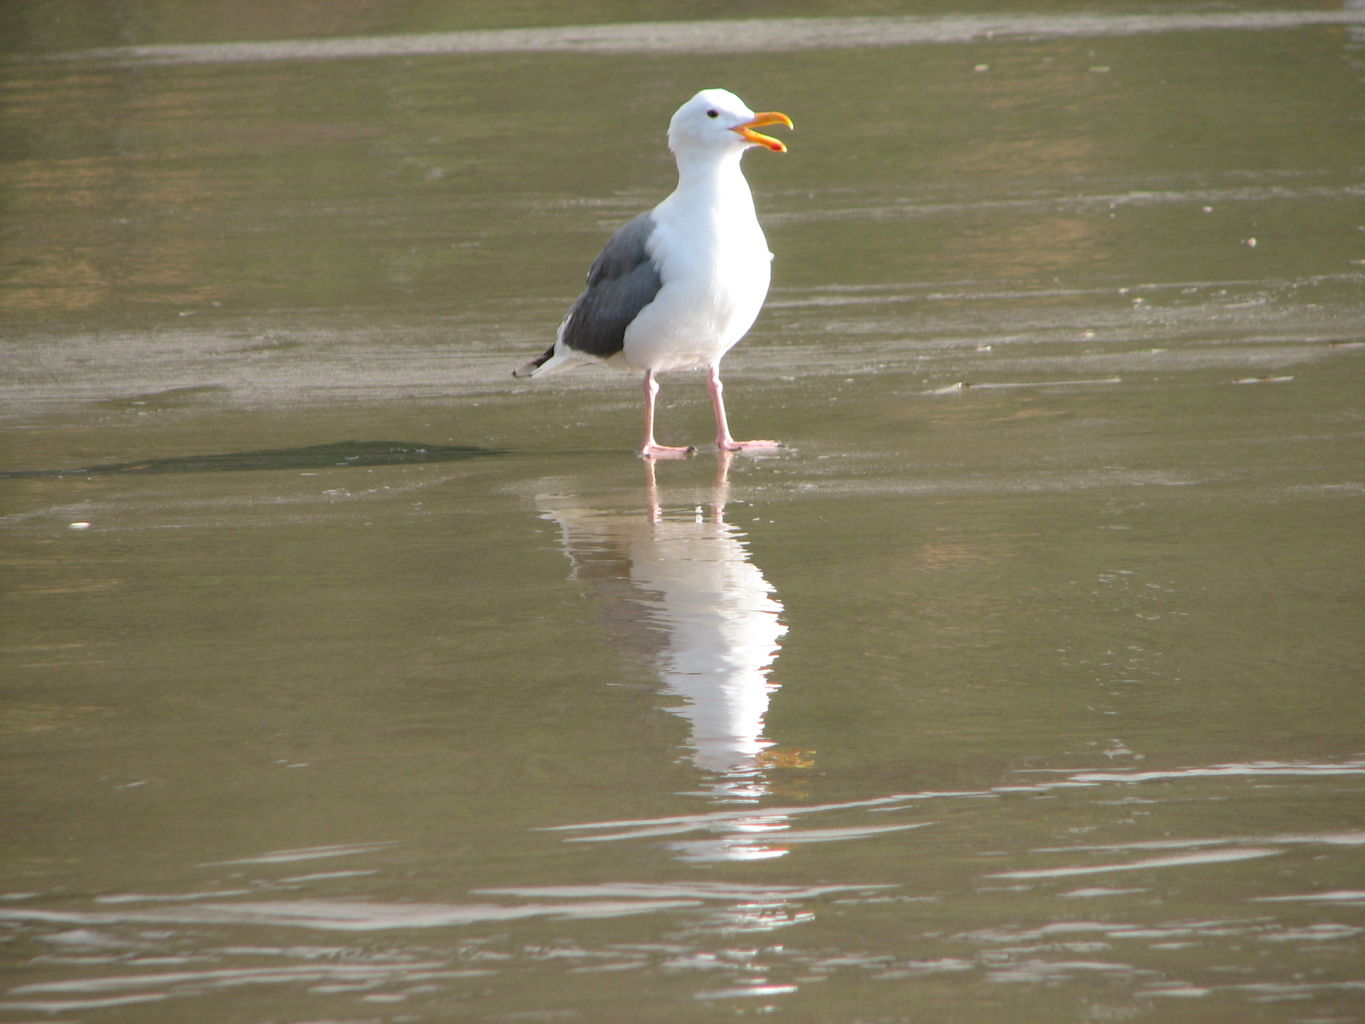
column 760, row 120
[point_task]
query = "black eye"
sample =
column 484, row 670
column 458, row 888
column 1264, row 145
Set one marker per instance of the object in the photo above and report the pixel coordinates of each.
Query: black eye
column 713, row 113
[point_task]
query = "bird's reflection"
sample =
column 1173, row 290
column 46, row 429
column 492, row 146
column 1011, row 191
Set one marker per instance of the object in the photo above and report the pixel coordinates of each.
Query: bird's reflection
column 682, row 594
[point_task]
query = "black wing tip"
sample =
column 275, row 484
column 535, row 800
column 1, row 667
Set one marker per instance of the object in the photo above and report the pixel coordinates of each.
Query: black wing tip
column 527, row 369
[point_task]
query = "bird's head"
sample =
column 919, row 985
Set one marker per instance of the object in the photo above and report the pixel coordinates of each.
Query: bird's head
column 716, row 119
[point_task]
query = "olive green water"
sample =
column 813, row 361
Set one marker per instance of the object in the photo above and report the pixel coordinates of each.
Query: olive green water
column 347, row 679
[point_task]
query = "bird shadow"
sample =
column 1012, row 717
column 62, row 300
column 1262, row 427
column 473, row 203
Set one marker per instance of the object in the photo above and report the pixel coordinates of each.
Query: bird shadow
column 322, row 456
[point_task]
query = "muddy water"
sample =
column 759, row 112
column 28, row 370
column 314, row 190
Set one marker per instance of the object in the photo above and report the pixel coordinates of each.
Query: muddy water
column 346, row 678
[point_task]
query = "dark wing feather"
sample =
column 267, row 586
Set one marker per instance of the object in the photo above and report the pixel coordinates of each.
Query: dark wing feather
column 622, row 281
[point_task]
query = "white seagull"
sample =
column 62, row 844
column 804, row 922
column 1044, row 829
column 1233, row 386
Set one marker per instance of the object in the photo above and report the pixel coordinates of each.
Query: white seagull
column 677, row 287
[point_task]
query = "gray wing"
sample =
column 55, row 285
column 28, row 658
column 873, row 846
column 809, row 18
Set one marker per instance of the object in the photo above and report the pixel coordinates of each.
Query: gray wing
column 622, row 281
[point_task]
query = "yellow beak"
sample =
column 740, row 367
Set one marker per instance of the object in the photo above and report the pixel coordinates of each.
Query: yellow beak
column 766, row 118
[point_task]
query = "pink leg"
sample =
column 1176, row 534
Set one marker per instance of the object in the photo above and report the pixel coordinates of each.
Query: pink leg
column 723, row 439
column 651, row 449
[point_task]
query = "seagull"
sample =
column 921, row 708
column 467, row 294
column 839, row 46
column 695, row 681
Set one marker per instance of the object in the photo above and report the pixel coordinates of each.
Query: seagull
column 677, row 287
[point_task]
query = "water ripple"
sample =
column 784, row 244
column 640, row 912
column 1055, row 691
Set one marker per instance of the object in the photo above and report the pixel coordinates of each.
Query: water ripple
column 347, row 916
column 1219, row 856
column 125, row 949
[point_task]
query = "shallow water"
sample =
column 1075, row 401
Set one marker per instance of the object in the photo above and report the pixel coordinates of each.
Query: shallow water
column 347, row 679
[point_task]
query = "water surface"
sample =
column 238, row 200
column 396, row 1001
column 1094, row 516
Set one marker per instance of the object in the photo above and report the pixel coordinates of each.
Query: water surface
column 346, row 678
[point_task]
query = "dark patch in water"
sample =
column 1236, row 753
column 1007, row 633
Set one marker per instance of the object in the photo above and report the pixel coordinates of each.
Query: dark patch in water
column 322, row 456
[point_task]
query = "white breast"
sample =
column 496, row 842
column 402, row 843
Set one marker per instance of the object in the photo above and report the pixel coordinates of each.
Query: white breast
column 715, row 267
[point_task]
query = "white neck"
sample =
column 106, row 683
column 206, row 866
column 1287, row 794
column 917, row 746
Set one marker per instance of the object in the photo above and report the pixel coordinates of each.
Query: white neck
column 716, row 177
